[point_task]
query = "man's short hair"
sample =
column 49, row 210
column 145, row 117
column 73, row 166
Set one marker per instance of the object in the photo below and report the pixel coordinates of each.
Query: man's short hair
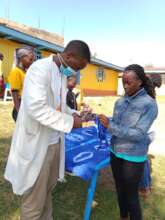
column 80, row 48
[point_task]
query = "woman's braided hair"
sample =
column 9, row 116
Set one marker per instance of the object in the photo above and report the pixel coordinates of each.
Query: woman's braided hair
column 146, row 82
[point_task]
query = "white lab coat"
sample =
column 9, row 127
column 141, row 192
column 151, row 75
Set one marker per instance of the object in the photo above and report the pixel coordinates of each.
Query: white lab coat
column 36, row 119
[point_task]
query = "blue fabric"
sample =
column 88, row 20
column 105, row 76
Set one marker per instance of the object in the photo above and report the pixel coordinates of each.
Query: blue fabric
column 146, row 178
column 136, row 159
column 84, row 149
column 66, row 71
column 7, row 86
column 130, row 124
column 102, row 132
column 78, row 77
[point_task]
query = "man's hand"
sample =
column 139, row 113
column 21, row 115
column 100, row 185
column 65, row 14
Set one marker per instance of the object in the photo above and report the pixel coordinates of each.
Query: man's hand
column 104, row 120
column 77, row 121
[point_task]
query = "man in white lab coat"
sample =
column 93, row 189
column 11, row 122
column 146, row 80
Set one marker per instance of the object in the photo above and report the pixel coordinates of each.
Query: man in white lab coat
column 37, row 156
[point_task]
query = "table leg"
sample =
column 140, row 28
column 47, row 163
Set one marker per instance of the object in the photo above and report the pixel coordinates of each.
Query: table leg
column 91, row 191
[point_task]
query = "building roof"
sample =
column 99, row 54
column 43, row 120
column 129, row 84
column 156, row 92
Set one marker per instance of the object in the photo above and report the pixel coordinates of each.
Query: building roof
column 11, row 34
column 18, row 36
column 151, row 69
column 106, row 64
column 35, row 32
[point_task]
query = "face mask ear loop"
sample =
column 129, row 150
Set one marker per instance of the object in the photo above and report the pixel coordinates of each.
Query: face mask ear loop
column 62, row 61
column 59, row 58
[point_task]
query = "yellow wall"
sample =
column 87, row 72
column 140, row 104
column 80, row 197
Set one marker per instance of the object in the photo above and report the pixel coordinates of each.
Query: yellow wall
column 7, row 48
column 88, row 75
column 46, row 53
column 89, row 79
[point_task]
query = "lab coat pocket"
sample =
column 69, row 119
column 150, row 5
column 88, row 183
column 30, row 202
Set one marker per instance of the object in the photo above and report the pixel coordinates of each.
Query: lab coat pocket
column 31, row 126
column 27, row 146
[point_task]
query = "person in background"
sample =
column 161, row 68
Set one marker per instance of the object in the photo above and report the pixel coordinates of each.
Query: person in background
column 71, row 96
column 156, row 79
column 24, row 57
column 86, row 112
column 1, row 60
column 37, row 155
column 2, row 84
column 133, row 116
column 146, row 180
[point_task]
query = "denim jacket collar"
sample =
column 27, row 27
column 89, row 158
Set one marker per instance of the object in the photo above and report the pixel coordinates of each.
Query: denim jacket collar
column 138, row 93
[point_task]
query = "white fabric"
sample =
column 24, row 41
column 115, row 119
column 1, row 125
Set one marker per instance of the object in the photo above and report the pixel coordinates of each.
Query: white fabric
column 61, row 103
column 36, row 119
column 55, row 135
column 151, row 132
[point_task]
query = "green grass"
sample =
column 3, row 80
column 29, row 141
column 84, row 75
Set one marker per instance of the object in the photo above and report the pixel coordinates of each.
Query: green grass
column 69, row 198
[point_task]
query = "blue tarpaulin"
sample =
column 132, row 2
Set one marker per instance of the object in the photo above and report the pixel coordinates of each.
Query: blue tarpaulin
column 85, row 148
column 146, row 180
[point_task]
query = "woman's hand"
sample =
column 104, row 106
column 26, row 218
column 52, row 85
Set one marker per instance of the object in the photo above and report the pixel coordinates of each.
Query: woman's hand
column 104, row 120
column 86, row 108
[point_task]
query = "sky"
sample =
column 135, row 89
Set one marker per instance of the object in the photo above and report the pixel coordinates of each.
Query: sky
column 118, row 31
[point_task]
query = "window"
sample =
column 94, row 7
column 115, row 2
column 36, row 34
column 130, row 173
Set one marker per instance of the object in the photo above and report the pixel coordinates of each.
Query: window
column 100, row 74
column 38, row 53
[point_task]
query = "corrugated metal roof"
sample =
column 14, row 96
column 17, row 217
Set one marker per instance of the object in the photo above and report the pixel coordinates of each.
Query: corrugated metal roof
column 18, row 36
column 35, row 32
column 106, row 64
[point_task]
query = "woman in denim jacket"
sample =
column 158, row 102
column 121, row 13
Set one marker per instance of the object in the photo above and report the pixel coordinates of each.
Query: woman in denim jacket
column 133, row 115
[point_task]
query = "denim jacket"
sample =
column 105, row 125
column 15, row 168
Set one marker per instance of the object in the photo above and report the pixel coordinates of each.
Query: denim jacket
column 129, row 126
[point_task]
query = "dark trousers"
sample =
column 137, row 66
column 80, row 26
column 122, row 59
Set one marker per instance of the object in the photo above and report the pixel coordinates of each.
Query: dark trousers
column 14, row 114
column 127, row 176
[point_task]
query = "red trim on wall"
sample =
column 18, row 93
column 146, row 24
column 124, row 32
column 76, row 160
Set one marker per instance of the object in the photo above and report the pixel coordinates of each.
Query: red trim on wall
column 92, row 92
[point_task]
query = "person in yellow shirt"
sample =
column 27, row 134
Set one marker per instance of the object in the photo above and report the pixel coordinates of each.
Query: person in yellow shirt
column 1, row 60
column 2, row 84
column 24, row 57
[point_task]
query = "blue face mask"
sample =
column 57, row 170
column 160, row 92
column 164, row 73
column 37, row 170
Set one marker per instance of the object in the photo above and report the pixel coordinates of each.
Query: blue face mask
column 67, row 71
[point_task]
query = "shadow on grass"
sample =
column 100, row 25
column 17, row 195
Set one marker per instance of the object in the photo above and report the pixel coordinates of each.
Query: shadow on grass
column 69, row 201
column 6, row 140
column 69, row 198
column 8, row 202
column 153, row 207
